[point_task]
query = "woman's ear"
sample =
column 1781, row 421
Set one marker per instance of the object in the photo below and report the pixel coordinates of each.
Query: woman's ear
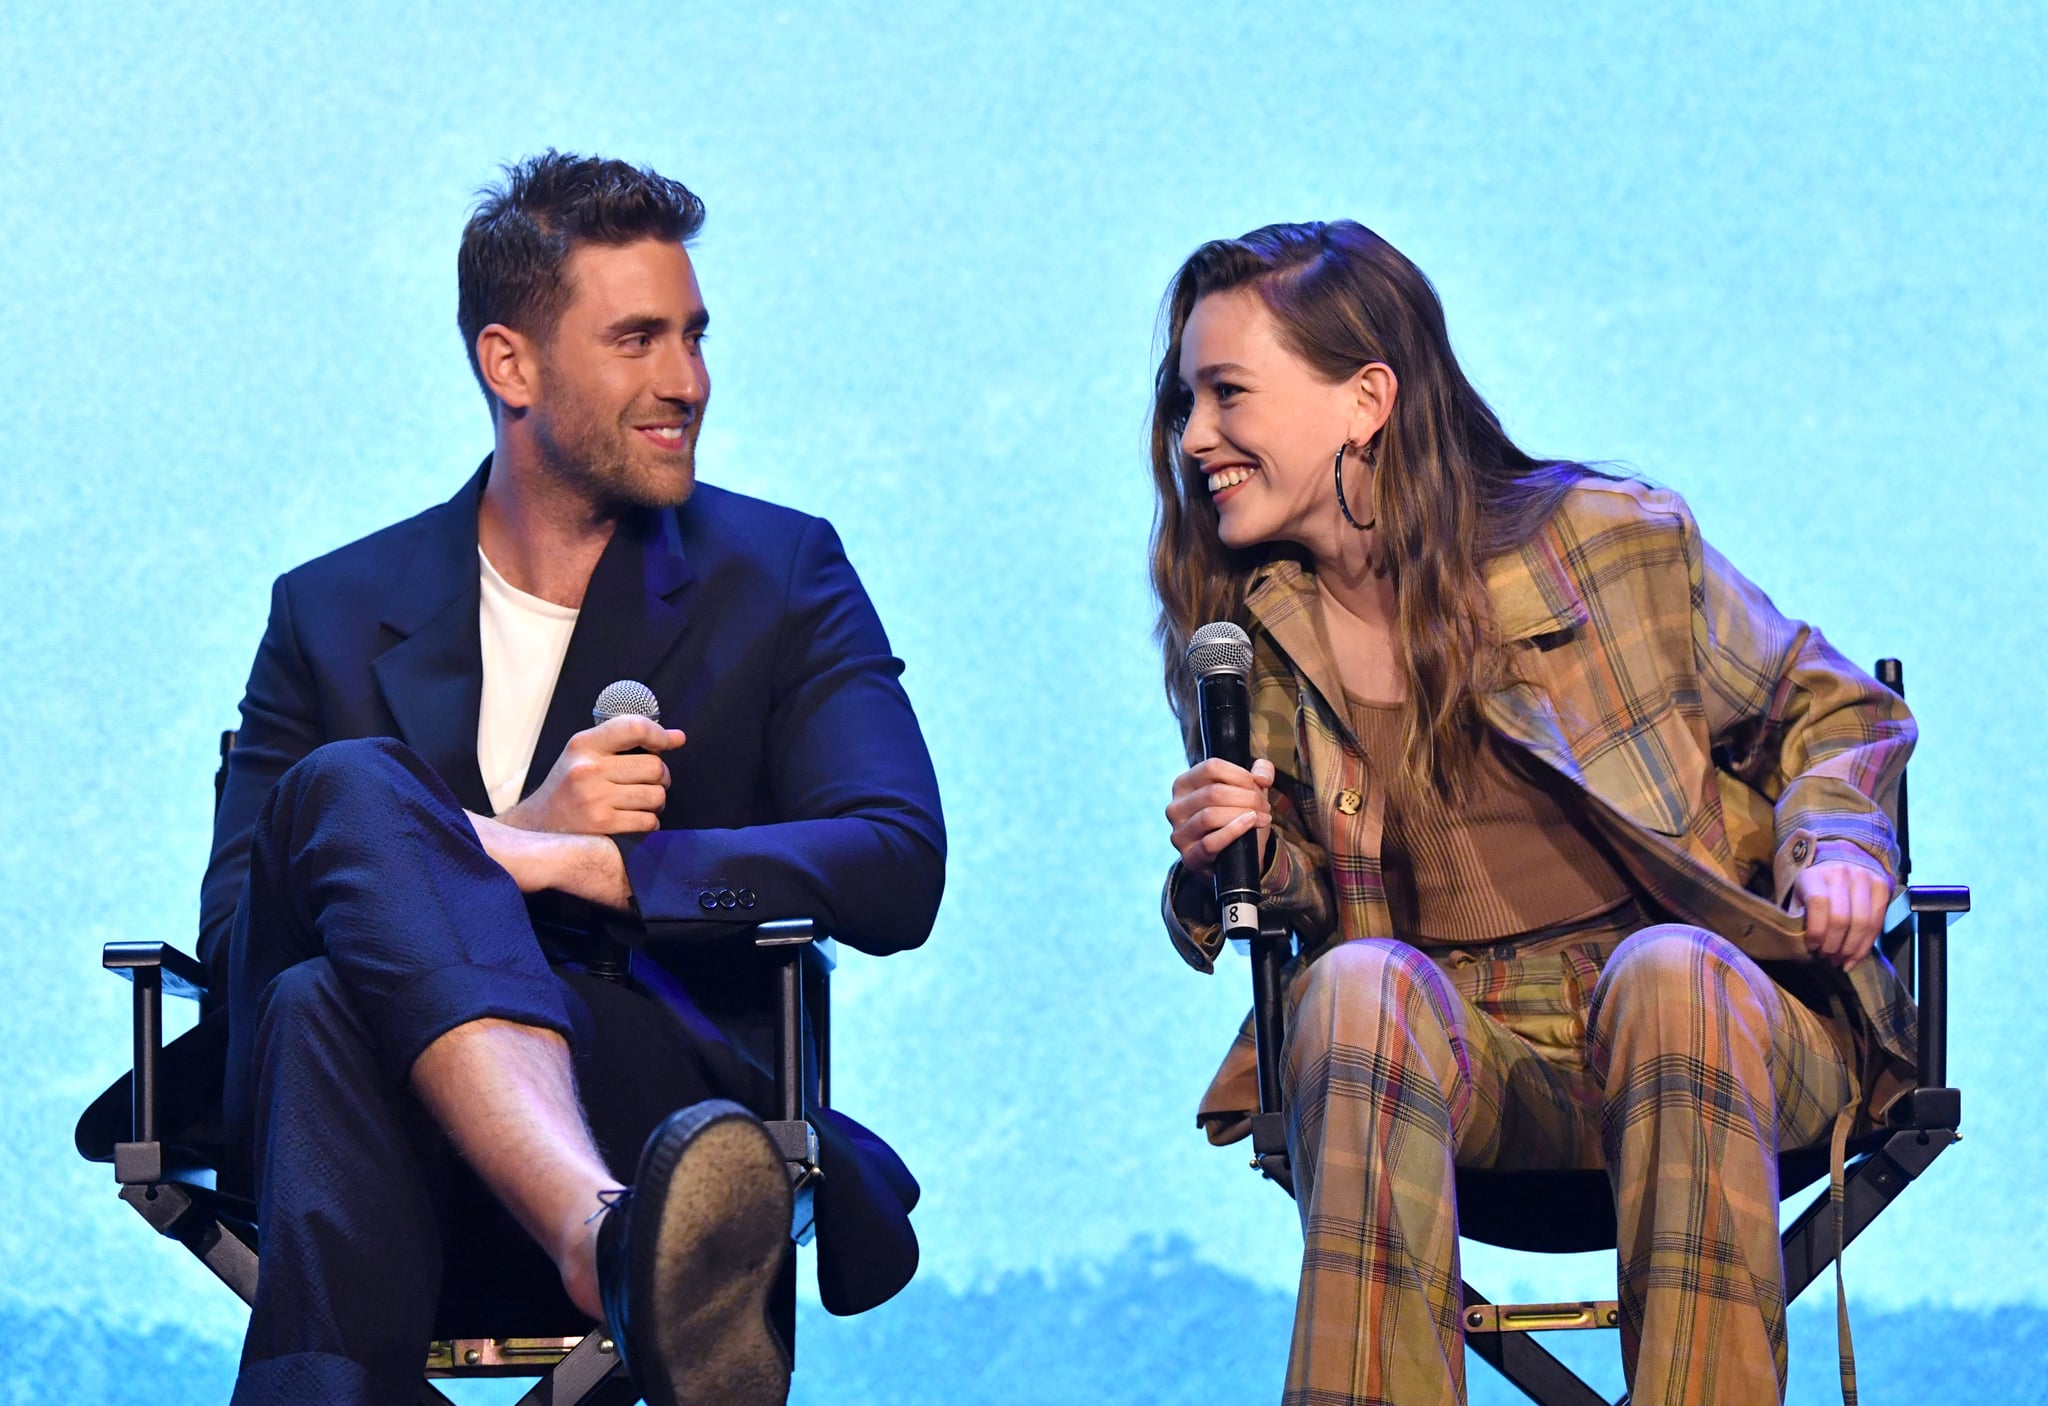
column 1373, row 389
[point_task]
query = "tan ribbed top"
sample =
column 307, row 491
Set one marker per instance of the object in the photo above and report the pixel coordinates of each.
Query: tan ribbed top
column 1514, row 858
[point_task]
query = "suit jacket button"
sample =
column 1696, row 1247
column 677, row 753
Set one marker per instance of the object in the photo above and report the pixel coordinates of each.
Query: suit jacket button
column 707, row 899
column 746, row 898
column 728, row 899
column 1800, row 849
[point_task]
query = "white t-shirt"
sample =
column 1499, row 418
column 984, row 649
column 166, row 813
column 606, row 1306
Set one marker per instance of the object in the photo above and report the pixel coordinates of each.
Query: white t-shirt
column 524, row 639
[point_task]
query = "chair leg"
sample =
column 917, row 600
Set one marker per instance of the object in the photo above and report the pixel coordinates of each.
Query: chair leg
column 1533, row 1371
column 589, row 1376
column 1529, row 1368
column 1871, row 1185
column 797, row 1140
column 177, row 1214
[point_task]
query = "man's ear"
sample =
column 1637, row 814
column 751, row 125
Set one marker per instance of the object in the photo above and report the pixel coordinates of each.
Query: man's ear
column 1374, row 389
column 508, row 364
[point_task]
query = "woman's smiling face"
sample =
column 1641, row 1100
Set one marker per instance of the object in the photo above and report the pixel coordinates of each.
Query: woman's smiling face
column 1262, row 426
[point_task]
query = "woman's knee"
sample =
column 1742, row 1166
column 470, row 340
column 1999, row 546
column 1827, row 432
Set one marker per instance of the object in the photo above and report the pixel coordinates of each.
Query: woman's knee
column 1370, row 994
column 1375, row 1015
column 1665, row 978
column 1370, row 975
column 1674, row 957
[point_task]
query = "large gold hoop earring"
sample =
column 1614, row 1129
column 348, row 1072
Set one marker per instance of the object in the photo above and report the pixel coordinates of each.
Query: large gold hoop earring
column 1337, row 472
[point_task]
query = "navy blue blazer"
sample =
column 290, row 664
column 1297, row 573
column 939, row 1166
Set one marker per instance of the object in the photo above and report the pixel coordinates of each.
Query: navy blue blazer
column 805, row 780
column 804, row 784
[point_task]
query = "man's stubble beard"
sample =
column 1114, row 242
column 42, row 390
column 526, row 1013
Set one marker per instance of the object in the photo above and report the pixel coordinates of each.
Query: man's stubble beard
column 595, row 458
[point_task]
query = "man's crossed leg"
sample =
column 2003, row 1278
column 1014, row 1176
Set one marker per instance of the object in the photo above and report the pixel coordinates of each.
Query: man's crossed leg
column 397, row 1036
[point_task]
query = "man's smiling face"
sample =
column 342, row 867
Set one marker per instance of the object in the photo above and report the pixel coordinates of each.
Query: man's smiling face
column 622, row 386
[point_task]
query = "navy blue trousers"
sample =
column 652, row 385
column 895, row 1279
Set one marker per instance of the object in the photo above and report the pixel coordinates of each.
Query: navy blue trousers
column 373, row 922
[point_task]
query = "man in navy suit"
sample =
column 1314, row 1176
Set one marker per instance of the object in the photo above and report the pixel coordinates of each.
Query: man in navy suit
column 422, row 842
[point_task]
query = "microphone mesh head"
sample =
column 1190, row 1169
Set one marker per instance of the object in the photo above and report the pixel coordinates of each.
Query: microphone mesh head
column 626, row 698
column 1220, row 648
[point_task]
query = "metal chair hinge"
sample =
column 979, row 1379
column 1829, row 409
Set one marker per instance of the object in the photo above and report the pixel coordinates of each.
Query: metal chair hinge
column 1542, row 1317
column 496, row 1357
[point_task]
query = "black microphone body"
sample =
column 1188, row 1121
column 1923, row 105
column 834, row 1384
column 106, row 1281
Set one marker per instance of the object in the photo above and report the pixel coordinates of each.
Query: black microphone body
column 609, row 957
column 1224, row 701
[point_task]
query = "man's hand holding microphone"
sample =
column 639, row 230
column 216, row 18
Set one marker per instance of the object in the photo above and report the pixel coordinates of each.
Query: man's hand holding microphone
column 609, row 780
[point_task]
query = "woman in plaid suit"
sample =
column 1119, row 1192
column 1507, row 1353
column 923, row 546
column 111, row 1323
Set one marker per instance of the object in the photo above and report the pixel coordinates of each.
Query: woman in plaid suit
column 1587, row 843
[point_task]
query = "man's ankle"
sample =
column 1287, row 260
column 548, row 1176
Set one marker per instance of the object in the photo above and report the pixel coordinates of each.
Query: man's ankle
column 575, row 1256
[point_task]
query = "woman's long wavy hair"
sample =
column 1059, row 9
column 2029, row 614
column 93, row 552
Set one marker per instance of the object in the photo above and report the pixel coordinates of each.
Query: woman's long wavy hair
column 1451, row 492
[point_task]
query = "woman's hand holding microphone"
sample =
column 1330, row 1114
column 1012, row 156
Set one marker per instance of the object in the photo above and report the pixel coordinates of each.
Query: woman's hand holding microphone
column 1213, row 803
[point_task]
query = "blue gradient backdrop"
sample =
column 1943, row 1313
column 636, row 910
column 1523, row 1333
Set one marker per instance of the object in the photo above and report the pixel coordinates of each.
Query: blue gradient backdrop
column 1784, row 257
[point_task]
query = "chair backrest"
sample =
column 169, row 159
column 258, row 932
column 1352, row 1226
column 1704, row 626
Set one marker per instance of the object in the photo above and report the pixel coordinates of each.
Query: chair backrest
column 1897, row 944
column 220, row 776
column 1892, row 674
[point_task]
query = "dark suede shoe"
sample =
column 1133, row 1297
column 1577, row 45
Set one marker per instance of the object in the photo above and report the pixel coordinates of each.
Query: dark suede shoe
column 687, row 1257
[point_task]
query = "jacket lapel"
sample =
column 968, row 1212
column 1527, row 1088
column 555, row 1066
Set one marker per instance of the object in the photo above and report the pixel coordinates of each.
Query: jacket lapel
column 1532, row 597
column 1346, row 807
column 432, row 679
column 1283, row 600
column 630, row 621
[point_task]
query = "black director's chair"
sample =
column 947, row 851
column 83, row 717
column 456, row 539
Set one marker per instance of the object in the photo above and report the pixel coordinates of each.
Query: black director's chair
column 173, row 1168
column 1572, row 1211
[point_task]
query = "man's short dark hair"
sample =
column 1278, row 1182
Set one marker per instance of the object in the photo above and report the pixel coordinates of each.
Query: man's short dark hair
column 523, row 230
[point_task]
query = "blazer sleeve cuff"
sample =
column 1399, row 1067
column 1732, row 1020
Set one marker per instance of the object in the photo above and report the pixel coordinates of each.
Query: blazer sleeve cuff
column 627, row 846
column 1803, row 849
column 1192, row 923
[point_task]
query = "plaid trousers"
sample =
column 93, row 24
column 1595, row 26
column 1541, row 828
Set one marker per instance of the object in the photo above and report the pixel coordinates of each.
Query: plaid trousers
column 1664, row 1055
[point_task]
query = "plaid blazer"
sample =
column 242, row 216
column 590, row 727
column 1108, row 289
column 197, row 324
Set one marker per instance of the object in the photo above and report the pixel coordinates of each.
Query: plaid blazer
column 1718, row 746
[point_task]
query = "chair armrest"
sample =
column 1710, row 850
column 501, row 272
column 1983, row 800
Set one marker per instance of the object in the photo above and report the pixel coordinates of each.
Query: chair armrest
column 688, row 935
column 804, row 959
column 178, row 974
column 1932, row 906
column 820, row 950
column 1938, row 898
column 153, row 968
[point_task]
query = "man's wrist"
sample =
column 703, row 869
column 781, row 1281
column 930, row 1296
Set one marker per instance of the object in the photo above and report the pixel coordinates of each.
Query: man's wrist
column 592, row 868
column 520, row 815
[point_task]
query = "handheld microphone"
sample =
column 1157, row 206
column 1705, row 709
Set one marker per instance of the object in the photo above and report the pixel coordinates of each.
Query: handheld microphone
column 612, row 959
column 1220, row 658
column 624, row 699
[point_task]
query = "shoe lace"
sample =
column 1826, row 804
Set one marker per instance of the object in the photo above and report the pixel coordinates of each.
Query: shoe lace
column 607, row 1200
